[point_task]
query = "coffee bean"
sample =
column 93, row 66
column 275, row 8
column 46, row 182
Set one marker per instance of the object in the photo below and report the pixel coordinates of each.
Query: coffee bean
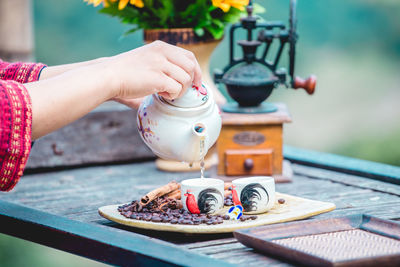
column 242, row 219
column 128, row 214
column 197, row 222
column 147, row 219
column 166, row 219
column 190, row 223
column 281, row 200
column 219, row 220
column 133, row 216
column 226, row 217
column 209, row 222
column 187, row 222
column 214, row 222
column 174, row 221
column 145, row 209
column 156, row 219
column 253, row 217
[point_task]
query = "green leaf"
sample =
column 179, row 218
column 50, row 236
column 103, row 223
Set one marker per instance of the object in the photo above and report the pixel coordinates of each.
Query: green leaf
column 258, row 9
column 132, row 30
column 233, row 15
column 215, row 31
column 199, row 31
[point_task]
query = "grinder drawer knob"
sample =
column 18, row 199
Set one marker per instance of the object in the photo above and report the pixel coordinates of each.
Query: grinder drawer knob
column 248, row 164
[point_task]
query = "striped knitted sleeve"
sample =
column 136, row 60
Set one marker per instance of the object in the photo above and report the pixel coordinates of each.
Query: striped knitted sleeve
column 20, row 72
column 15, row 132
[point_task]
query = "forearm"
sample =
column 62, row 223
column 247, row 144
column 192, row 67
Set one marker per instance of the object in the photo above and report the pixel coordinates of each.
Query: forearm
column 66, row 97
column 53, row 71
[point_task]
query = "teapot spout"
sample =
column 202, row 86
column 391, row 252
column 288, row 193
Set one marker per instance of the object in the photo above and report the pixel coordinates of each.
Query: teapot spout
column 199, row 133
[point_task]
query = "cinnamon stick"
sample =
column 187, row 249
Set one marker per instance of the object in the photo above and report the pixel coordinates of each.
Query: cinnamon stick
column 174, row 194
column 158, row 192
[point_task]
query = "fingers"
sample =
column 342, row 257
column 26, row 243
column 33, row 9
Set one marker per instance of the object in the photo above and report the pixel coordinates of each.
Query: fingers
column 186, row 60
column 197, row 71
column 169, row 88
column 179, row 75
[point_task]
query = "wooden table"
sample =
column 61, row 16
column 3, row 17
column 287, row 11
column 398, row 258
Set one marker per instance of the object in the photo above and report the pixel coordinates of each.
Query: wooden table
column 59, row 209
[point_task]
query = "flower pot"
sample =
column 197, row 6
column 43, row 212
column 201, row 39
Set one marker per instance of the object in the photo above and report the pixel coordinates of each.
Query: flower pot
column 201, row 47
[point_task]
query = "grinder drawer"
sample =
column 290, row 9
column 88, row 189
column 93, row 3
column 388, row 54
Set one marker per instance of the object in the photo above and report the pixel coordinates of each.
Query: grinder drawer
column 248, row 162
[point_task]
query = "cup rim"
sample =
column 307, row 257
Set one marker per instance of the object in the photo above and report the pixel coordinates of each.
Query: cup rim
column 254, row 179
column 193, row 182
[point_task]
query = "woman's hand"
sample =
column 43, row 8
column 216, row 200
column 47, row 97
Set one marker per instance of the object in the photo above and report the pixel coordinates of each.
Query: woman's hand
column 67, row 93
column 154, row 68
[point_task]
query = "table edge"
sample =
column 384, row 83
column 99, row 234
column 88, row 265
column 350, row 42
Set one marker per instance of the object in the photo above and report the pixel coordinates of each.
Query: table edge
column 106, row 244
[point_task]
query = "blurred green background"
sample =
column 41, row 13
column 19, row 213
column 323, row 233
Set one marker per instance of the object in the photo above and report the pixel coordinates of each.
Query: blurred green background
column 353, row 46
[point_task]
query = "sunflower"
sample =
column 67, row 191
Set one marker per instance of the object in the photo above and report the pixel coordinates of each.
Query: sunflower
column 121, row 5
column 94, row 2
column 225, row 5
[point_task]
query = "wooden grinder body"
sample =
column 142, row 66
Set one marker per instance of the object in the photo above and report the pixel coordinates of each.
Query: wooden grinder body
column 251, row 144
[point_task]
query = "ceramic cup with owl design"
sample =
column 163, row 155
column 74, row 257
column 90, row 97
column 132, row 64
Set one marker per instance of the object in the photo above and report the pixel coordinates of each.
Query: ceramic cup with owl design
column 257, row 194
column 202, row 195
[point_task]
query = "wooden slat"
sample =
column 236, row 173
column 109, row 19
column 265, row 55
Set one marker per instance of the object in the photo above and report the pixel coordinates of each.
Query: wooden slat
column 360, row 167
column 347, row 179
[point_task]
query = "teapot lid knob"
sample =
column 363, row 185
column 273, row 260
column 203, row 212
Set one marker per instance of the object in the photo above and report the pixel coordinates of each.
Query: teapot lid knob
column 193, row 97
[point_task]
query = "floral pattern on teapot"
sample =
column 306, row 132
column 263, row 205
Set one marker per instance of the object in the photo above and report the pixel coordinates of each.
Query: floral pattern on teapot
column 146, row 132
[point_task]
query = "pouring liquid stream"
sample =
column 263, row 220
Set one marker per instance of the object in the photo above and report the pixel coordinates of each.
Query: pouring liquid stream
column 202, row 168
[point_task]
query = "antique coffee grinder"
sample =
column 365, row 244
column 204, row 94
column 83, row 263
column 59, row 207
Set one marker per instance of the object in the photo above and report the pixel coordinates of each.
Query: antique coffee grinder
column 250, row 142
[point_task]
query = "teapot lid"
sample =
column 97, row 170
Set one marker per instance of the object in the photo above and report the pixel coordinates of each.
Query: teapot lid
column 193, row 97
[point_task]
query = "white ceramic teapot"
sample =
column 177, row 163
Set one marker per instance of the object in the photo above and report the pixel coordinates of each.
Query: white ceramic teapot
column 182, row 129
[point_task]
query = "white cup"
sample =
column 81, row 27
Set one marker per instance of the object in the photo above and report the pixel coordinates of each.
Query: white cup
column 207, row 192
column 257, row 194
